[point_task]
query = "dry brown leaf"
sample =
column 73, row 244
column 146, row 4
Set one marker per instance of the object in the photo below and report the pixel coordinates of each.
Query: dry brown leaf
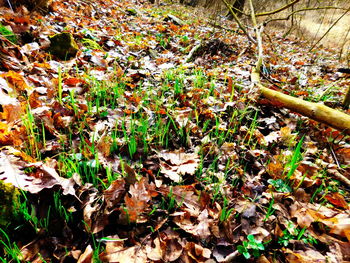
column 113, row 194
column 275, row 169
column 337, row 200
column 193, row 251
column 125, row 255
column 177, row 163
column 185, row 194
column 130, row 172
column 342, row 247
column 11, row 134
column 16, row 80
column 173, row 250
column 11, row 112
column 172, row 245
column 86, row 257
column 225, row 253
column 7, row 94
column 308, row 256
column 11, row 171
column 137, row 203
column 155, row 252
column 199, row 227
column 344, row 155
column 94, row 217
column 306, row 213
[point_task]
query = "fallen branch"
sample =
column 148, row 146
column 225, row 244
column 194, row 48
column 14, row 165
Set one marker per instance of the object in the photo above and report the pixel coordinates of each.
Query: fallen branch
column 316, row 111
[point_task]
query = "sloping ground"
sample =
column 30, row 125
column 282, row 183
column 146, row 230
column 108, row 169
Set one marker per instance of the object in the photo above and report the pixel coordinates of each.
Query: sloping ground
column 132, row 151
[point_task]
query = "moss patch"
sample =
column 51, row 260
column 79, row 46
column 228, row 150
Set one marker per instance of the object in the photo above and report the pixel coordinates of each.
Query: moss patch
column 9, row 196
column 63, row 46
column 90, row 44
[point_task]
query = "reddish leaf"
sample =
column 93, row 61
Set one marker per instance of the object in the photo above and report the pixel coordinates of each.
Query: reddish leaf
column 337, row 200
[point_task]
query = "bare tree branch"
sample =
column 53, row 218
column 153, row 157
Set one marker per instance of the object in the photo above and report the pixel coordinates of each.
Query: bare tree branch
column 240, row 25
column 315, row 111
column 277, row 10
column 258, row 37
column 301, row 10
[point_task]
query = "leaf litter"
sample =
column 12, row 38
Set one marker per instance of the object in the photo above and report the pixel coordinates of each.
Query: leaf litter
column 129, row 151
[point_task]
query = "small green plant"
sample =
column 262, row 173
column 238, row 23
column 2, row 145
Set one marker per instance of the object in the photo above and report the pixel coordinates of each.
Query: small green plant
column 28, row 213
column 169, row 203
column 130, row 136
column 33, row 133
column 200, row 79
column 292, row 232
column 280, row 185
column 251, row 247
column 252, row 128
column 61, row 210
column 225, row 212
column 96, row 244
column 6, row 32
column 59, row 87
column 87, row 166
column 10, row 249
column 163, row 41
column 270, row 209
column 294, row 163
column 73, row 102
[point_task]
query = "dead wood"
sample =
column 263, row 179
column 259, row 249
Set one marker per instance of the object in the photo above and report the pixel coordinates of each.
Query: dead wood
column 316, row 111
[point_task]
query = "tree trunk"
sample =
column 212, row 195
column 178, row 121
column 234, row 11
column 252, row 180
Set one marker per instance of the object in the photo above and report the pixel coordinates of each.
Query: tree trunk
column 238, row 4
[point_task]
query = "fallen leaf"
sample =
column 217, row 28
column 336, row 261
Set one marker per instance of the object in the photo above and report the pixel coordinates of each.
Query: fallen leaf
column 86, row 257
column 12, row 171
column 112, row 195
column 308, row 256
column 16, row 80
column 177, row 163
column 155, row 252
column 137, row 203
column 128, row 255
column 337, row 200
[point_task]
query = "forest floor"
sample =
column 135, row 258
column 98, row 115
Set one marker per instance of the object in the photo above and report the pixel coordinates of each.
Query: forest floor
column 130, row 150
